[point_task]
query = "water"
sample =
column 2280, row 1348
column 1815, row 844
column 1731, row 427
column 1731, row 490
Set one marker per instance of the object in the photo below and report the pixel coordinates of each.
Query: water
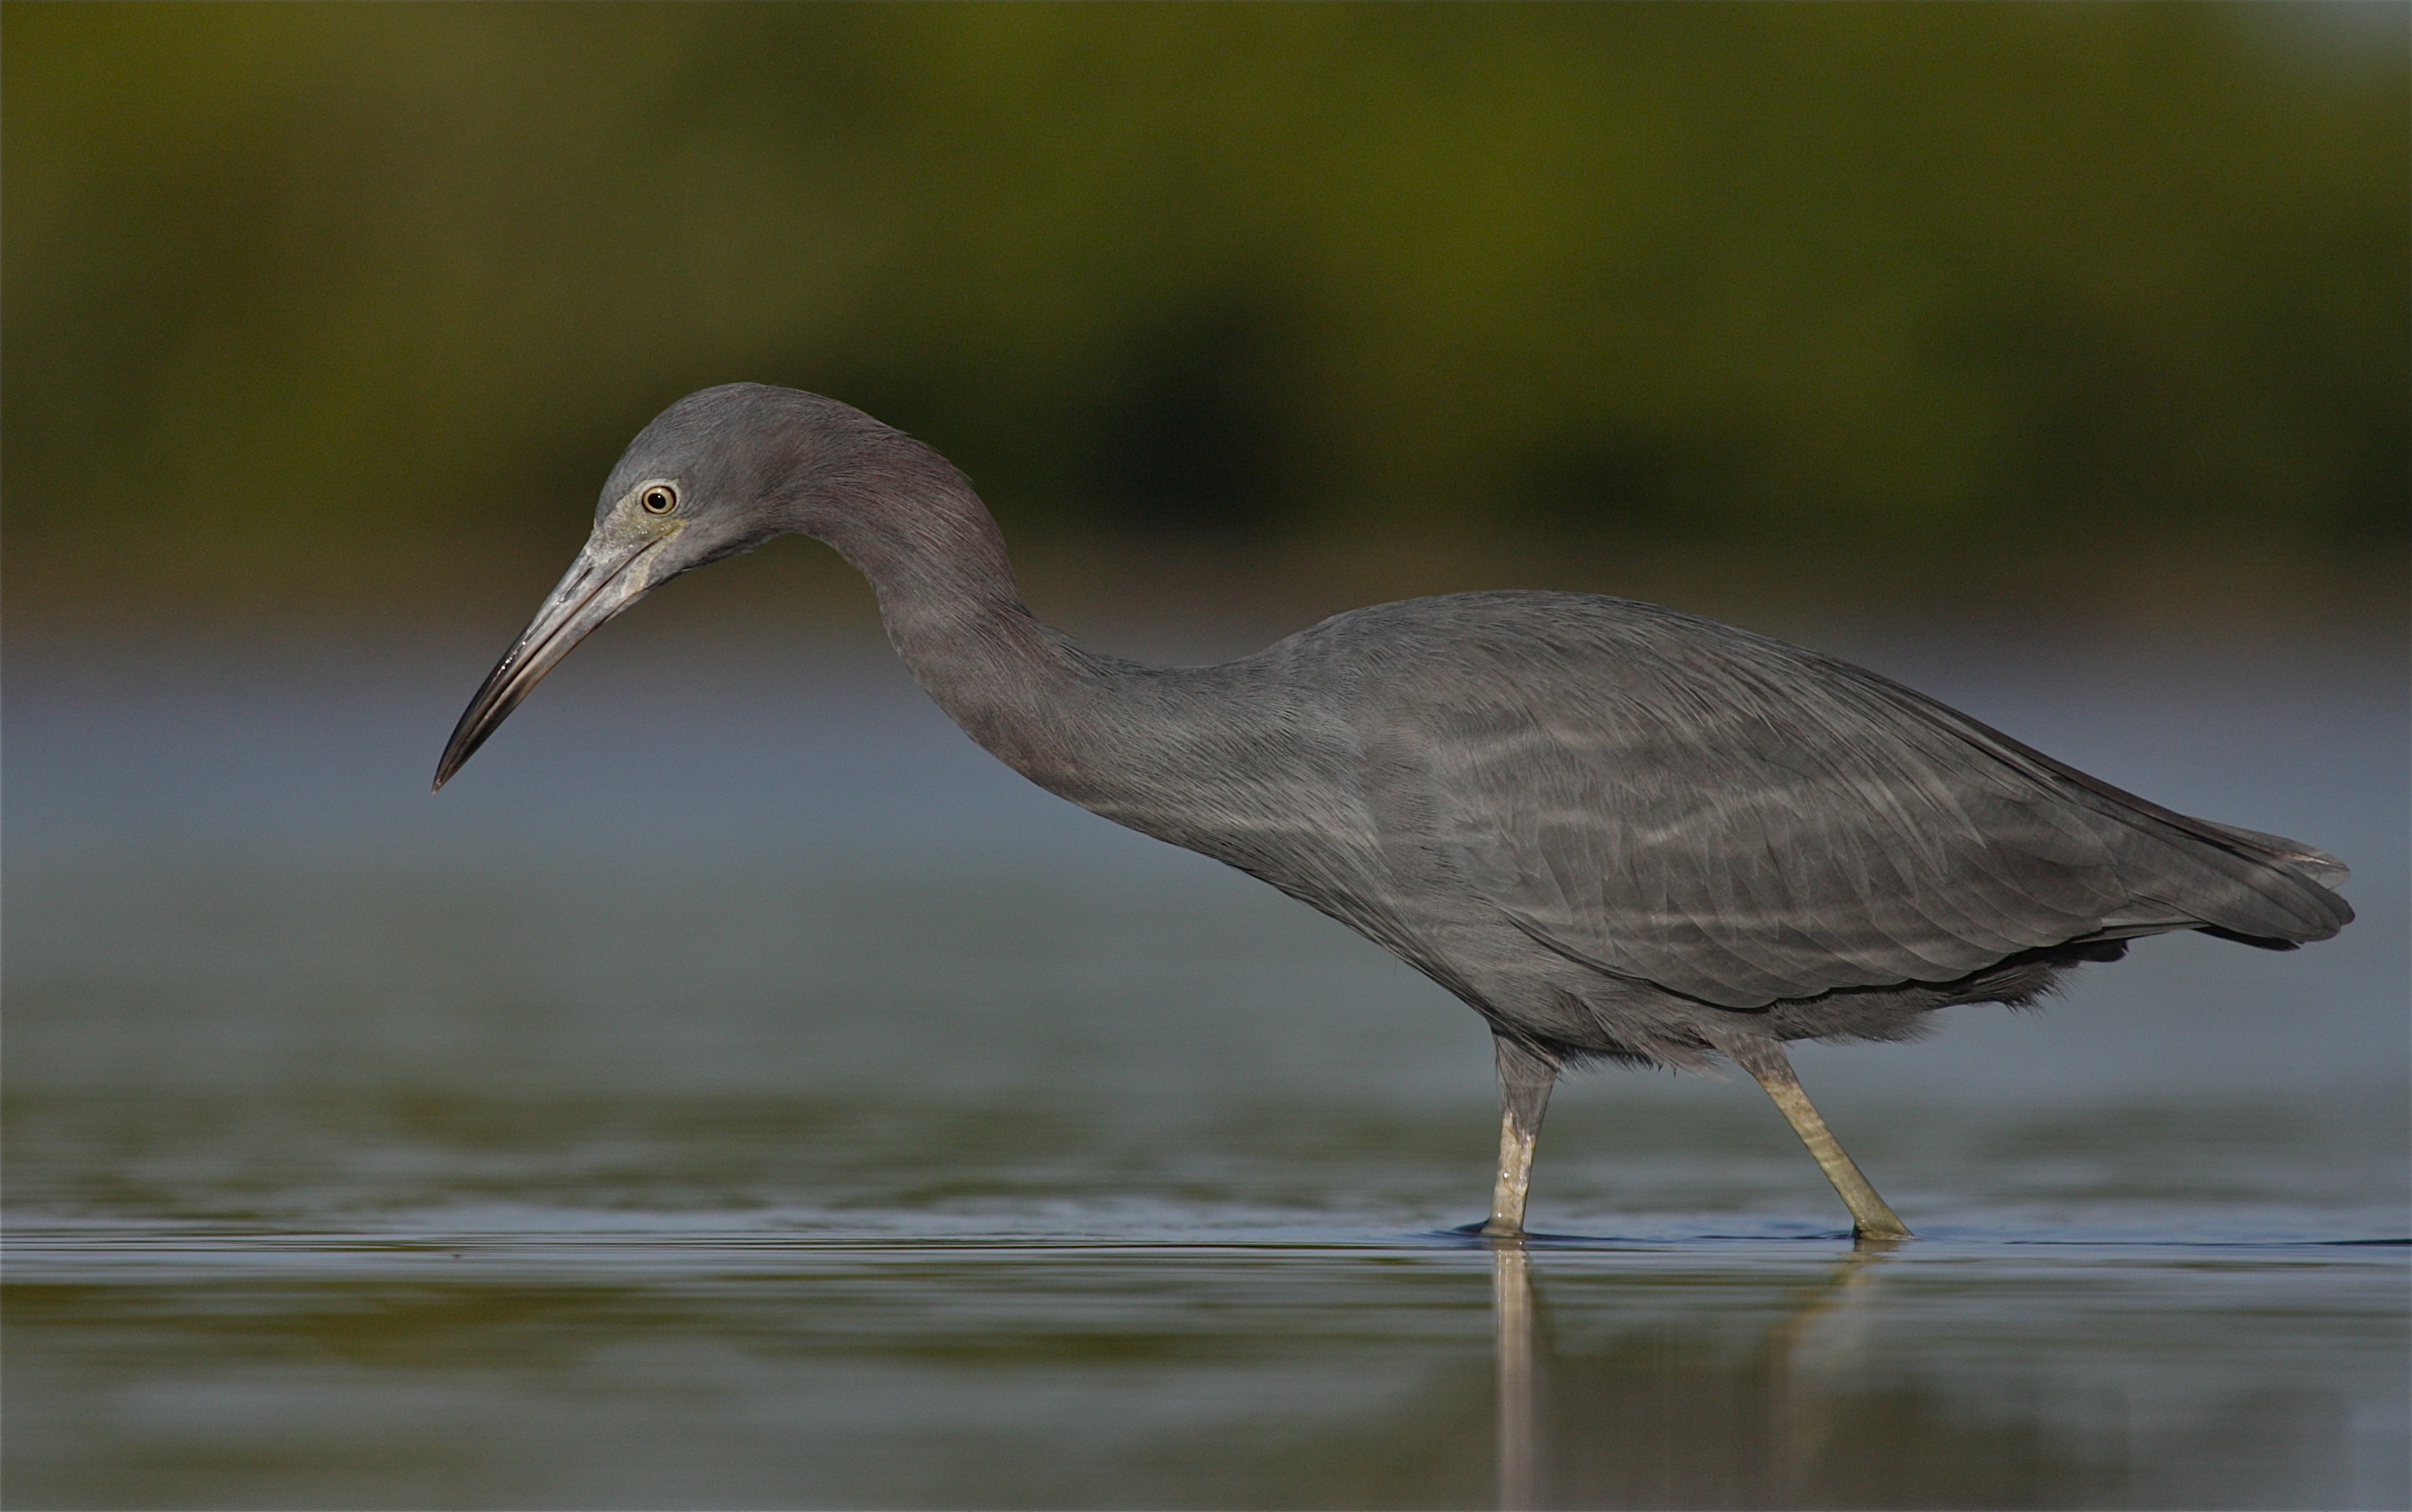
column 738, row 1092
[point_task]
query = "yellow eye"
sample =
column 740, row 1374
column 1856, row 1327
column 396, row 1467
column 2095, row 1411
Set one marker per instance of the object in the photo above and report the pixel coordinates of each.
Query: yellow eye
column 660, row 499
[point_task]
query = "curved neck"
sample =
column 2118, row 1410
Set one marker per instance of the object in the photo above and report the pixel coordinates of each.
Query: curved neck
column 952, row 607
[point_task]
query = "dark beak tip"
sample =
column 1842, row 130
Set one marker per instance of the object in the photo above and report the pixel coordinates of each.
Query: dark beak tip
column 570, row 615
column 455, row 757
column 449, row 765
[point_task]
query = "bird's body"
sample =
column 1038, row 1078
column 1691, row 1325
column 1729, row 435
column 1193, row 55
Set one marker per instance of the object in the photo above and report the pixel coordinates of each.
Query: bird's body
column 1614, row 830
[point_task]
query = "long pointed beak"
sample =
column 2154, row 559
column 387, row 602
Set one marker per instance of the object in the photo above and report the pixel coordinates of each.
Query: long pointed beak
column 608, row 576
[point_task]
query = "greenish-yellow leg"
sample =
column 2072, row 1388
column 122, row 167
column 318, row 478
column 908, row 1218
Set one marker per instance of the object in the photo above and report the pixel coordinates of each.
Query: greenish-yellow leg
column 1515, row 1177
column 1525, row 1078
column 1773, row 1069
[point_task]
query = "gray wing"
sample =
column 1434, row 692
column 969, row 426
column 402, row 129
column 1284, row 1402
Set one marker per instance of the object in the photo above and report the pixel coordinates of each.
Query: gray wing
column 1738, row 820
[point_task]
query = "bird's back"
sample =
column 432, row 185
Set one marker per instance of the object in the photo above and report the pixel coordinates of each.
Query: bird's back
column 1660, row 801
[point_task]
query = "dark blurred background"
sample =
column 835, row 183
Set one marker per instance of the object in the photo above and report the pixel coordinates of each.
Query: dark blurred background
column 2101, row 308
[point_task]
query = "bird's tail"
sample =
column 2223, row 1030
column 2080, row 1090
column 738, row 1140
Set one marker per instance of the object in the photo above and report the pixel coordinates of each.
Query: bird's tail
column 2318, row 865
column 2258, row 889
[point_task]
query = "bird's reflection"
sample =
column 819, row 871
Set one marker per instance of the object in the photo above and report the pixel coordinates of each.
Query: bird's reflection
column 1522, row 1376
column 1798, row 1363
column 1805, row 1354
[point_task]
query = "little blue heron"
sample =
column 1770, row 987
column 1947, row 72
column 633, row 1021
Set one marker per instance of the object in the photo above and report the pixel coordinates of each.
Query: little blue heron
column 1617, row 832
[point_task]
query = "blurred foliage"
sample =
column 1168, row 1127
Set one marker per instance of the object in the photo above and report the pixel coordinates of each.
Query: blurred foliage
column 368, row 292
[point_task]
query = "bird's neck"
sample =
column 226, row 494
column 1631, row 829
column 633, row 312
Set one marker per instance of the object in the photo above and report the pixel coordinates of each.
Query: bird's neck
column 954, row 613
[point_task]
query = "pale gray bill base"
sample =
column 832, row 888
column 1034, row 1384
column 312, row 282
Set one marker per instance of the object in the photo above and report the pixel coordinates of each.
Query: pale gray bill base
column 604, row 580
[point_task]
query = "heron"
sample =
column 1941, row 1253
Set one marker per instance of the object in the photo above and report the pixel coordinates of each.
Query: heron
column 1621, row 833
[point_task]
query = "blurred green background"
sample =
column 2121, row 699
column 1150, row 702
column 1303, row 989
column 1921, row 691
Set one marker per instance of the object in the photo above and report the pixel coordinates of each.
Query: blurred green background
column 313, row 307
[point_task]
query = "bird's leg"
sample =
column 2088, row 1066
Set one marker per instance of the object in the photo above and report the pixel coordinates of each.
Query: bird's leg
column 1772, row 1069
column 1525, row 1078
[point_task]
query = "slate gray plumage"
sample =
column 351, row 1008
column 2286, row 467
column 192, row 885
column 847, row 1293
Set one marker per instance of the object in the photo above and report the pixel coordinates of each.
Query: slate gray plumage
column 1614, row 830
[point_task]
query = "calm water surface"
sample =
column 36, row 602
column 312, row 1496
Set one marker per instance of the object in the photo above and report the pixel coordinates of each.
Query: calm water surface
column 737, row 1092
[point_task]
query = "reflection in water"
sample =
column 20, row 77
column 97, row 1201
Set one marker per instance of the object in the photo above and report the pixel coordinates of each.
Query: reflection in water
column 666, row 1364
column 1795, row 1375
column 1804, row 1357
column 1658, row 1381
column 1521, row 1378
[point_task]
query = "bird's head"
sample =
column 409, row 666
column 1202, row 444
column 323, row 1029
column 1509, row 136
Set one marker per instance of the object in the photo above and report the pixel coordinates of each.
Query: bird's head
column 717, row 474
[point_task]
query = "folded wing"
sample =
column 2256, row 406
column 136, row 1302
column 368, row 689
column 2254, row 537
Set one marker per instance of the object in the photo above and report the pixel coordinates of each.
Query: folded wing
column 1740, row 821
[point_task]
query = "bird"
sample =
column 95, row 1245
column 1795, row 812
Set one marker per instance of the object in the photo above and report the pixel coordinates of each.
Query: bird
column 1621, row 833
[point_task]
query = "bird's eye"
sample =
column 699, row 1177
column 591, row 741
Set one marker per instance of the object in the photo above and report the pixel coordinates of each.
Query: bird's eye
column 660, row 499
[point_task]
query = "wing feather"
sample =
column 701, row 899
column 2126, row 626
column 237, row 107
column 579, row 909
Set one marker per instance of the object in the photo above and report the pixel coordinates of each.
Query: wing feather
column 1739, row 820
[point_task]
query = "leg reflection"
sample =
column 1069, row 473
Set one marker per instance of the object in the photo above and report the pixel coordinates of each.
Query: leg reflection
column 1522, row 1379
column 1677, row 1420
column 1808, row 1354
